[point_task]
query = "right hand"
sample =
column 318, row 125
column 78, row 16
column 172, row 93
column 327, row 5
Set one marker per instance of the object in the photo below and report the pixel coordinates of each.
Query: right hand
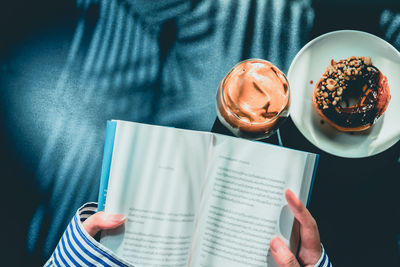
column 310, row 250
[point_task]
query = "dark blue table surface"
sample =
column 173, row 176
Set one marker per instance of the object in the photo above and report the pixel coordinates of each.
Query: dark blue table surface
column 68, row 66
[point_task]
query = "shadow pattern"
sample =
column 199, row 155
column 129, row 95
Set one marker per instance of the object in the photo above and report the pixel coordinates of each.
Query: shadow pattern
column 156, row 62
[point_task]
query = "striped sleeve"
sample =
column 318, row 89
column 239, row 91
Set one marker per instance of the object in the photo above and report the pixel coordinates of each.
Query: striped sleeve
column 324, row 260
column 77, row 248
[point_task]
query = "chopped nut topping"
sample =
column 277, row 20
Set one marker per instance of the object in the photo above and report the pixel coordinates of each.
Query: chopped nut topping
column 330, row 87
column 336, row 77
column 368, row 61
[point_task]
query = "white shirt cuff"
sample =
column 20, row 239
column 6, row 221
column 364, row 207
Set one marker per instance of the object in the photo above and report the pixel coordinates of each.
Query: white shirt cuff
column 323, row 260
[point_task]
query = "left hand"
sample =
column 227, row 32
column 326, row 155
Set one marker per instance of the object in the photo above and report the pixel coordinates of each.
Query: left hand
column 101, row 221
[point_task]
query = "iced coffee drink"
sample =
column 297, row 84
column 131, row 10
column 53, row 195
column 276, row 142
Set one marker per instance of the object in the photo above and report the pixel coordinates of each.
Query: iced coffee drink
column 253, row 99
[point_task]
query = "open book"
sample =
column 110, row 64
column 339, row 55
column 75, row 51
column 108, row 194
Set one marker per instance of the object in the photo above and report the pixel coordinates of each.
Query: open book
column 197, row 198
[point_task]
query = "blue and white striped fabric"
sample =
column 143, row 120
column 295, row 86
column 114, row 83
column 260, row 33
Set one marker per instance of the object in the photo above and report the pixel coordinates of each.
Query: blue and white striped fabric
column 77, row 248
column 324, row 260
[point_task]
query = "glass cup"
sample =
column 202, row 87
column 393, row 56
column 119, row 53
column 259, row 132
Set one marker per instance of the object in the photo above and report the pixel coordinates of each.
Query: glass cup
column 253, row 99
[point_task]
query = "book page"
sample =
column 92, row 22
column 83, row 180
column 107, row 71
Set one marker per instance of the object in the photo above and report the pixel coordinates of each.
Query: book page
column 244, row 205
column 156, row 178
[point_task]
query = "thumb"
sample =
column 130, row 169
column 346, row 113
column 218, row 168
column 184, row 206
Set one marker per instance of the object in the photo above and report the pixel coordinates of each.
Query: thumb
column 101, row 221
column 282, row 254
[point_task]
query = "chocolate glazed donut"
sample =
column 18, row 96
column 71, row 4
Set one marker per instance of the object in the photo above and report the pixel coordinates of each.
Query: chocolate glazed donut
column 350, row 79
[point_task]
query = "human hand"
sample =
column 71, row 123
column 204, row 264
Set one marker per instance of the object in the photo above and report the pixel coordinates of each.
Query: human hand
column 102, row 221
column 310, row 250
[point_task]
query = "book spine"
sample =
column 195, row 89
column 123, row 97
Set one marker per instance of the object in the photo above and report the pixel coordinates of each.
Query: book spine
column 312, row 179
column 106, row 164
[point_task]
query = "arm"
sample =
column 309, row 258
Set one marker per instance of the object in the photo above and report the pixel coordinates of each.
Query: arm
column 77, row 247
column 311, row 252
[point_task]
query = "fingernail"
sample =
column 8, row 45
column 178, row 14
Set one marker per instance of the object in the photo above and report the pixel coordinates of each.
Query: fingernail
column 277, row 245
column 114, row 217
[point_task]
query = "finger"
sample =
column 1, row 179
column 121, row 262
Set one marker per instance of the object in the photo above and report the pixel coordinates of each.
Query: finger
column 282, row 254
column 101, row 221
column 308, row 226
column 300, row 212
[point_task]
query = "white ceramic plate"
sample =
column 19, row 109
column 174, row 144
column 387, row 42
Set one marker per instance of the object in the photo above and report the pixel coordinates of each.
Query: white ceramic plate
column 311, row 62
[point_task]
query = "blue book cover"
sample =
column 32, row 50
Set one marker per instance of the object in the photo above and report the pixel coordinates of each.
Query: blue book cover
column 106, row 164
